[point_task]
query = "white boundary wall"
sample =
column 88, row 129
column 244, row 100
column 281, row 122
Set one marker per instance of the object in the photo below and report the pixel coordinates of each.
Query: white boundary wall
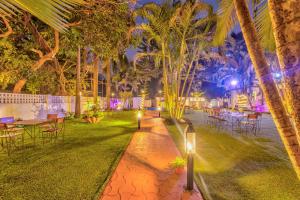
column 27, row 106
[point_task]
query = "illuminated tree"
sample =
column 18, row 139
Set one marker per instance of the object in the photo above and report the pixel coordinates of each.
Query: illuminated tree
column 179, row 33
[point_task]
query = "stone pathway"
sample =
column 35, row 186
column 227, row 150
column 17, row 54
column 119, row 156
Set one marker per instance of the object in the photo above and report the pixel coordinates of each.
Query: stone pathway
column 144, row 173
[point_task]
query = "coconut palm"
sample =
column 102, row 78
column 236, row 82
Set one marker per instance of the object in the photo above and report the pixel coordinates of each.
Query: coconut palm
column 156, row 31
column 52, row 12
column 230, row 12
column 286, row 31
column 177, row 31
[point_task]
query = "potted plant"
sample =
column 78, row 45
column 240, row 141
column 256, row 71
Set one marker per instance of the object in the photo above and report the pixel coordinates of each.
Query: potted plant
column 178, row 164
column 97, row 116
column 93, row 115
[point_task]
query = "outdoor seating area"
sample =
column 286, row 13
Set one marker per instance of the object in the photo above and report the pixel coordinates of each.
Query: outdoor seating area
column 38, row 131
column 149, row 99
column 226, row 119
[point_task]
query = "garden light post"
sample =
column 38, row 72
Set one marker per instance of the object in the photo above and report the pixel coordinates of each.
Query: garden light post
column 190, row 140
column 159, row 109
column 139, row 116
column 190, row 167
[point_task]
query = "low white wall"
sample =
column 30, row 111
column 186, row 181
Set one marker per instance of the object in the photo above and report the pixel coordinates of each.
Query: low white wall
column 26, row 106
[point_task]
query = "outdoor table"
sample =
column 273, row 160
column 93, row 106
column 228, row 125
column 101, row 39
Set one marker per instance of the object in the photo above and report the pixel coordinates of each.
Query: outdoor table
column 30, row 126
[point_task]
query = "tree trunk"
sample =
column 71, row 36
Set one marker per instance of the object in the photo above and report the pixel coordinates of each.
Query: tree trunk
column 264, row 75
column 286, row 23
column 19, row 85
column 78, row 85
column 108, row 83
column 59, row 70
column 95, row 79
column 84, row 67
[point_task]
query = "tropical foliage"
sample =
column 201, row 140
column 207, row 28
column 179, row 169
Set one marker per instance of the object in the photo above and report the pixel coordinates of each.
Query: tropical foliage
column 177, row 33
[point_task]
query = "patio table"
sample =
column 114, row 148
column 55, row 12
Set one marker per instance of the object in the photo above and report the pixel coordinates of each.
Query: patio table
column 30, row 126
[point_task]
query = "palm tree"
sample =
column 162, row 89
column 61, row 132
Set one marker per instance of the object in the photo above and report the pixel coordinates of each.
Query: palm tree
column 51, row 12
column 107, row 64
column 177, row 31
column 95, row 78
column 286, row 31
column 230, row 12
column 156, row 31
column 78, row 84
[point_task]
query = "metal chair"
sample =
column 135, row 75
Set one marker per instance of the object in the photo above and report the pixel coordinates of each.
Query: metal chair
column 251, row 123
column 10, row 136
column 51, row 130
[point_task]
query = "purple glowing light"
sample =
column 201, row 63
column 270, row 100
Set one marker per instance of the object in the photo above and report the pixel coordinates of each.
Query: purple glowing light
column 234, row 82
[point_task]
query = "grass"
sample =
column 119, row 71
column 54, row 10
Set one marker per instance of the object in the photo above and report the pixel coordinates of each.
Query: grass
column 237, row 168
column 75, row 169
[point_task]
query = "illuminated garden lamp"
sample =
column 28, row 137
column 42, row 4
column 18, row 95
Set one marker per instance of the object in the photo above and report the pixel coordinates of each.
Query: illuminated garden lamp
column 277, row 75
column 139, row 116
column 159, row 109
column 159, row 91
column 190, row 149
column 112, row 94
column 234, row 82
column 80, row 93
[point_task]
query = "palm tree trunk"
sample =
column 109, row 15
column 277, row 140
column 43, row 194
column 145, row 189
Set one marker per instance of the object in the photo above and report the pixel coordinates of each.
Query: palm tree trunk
column 95, row 79
column 84, row 67
column 108, row 83
column 78, row 85
column 264, row 75
column 286, row 23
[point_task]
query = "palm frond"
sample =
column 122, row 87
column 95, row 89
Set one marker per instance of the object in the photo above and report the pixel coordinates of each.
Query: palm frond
column 52, row 12
column 264, row 26
column 147, row 54
column 226, row 20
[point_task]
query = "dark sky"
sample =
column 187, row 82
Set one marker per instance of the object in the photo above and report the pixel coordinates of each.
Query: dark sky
column 132, row 51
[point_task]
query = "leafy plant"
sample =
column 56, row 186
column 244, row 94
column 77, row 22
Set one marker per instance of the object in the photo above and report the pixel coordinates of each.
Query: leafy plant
column 70, row 115
column 178, row 162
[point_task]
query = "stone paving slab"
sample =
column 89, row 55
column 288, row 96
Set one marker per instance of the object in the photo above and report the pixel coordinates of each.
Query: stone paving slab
column 143, row 172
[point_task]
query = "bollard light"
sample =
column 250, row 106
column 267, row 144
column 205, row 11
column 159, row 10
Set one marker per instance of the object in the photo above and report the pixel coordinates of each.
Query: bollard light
column 139, row 116
column 190, row 140
column 190, row 167
column 159, row 109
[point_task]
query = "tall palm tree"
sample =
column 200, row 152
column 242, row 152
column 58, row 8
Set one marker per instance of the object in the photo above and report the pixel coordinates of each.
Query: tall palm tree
column 177, row 31
column 157, row 31
column 232, row 11
column 107, row 64
column 52, row 12
column 95, row 78
column 78, row 84
column 286, row 31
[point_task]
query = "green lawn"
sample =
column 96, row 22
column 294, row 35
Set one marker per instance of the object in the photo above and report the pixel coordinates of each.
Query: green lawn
column 75, row 169
column 240, row 168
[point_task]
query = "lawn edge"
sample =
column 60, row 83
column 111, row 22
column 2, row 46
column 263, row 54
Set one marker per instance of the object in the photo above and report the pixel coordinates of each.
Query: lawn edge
column 113, row 168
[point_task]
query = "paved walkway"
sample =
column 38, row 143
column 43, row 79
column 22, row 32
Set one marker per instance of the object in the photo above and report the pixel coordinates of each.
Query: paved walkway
column 144, row 173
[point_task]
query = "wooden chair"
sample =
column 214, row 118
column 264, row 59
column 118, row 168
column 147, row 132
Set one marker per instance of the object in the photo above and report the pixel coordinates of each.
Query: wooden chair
column 48, row 125
column 53, row 129
column 10, row 136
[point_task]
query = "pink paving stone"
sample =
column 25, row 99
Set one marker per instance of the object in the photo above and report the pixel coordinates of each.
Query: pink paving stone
column 144, row 172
